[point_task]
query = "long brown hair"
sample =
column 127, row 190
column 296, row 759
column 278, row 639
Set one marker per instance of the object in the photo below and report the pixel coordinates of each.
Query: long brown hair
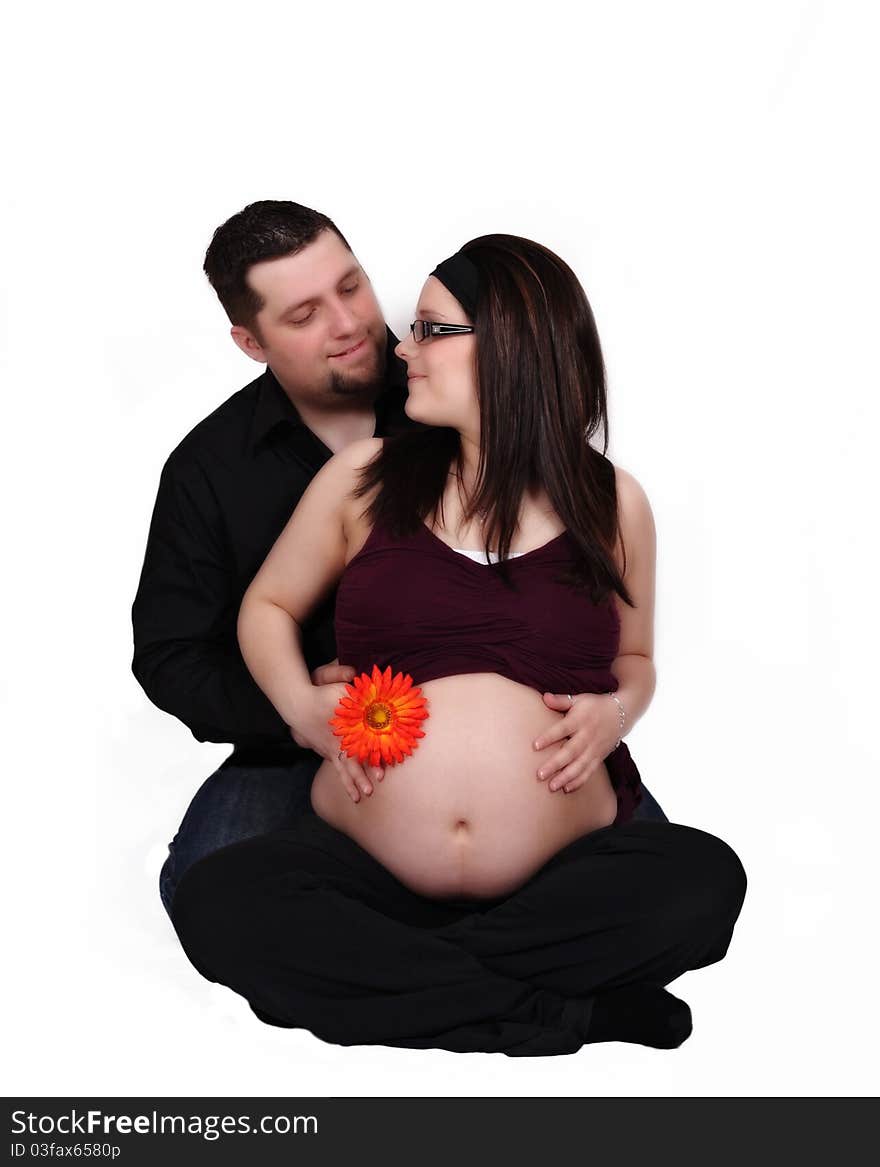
column 542, row 396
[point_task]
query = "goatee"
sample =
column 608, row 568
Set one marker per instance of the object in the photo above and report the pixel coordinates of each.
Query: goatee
column 367, row 387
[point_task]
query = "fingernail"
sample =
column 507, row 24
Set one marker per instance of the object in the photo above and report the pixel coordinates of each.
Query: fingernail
column 368, row 790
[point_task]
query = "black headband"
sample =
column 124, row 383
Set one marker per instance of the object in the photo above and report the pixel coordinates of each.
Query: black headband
column 459, row 276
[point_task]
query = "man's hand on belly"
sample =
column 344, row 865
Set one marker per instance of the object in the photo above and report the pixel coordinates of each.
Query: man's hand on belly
column 588, row 731
column 332, row 673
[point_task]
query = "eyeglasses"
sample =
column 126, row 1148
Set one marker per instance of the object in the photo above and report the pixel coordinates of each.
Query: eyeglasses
column 423, row 330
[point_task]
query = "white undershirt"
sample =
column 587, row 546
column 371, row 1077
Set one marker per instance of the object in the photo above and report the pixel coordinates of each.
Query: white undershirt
column 480, row 556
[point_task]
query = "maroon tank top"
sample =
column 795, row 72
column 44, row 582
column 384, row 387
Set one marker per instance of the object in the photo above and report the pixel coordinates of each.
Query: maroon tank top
column 419, row 606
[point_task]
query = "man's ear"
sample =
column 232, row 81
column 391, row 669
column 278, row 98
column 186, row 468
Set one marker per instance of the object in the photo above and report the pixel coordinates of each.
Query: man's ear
column 248, row 343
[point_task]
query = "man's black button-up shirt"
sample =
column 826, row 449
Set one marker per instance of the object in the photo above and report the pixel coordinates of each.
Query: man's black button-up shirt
column 224, row 496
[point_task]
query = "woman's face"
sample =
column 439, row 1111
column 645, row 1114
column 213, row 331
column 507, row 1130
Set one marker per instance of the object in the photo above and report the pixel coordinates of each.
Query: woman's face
column 442, row 370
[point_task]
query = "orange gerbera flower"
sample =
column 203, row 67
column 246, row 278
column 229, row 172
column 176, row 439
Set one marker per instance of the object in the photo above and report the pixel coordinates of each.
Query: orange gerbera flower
column 379, row 717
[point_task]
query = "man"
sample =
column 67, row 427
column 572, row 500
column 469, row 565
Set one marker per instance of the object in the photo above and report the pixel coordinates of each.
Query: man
column 300, row 303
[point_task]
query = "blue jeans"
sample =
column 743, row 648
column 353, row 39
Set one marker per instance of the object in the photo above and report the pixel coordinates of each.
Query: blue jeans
column 239, row 802
column 235, row 803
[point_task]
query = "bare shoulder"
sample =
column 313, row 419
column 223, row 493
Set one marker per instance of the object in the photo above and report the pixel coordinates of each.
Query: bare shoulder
column 338, row 477
column 639, row 539
column 637, row 528
column 356, row 455
column 632, row 501
column 350, row 462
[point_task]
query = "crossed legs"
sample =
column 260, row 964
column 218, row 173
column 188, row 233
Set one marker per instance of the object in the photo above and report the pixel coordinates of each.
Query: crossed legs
column 315, row 933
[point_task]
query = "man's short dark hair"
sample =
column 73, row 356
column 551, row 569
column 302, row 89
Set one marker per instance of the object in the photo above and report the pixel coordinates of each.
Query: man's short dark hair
column 269, row 229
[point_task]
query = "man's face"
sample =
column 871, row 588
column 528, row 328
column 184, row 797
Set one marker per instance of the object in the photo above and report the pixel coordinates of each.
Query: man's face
column 320, row 329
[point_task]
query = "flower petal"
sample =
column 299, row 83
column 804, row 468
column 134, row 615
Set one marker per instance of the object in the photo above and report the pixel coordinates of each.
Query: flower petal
column 394, row 735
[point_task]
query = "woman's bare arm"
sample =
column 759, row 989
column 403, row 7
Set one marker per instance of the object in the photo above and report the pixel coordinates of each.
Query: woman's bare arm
column 306, row 561
column 634, row 664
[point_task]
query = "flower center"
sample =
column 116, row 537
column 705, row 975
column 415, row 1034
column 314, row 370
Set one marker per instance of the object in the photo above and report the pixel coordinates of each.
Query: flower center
column 378, row 715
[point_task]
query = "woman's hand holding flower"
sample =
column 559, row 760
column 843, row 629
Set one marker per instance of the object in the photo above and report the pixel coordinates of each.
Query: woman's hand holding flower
column 312, row 730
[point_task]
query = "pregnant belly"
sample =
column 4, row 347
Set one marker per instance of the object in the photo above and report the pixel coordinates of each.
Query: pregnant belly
column 465, row 816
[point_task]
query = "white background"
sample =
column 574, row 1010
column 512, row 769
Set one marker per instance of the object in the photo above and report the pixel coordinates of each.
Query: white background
column 709, row 171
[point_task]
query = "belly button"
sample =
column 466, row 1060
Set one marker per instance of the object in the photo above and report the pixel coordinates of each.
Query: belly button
column 461, row 825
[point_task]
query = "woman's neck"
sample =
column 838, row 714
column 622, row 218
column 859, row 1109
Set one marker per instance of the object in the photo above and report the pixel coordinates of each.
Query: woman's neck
column 467, row 465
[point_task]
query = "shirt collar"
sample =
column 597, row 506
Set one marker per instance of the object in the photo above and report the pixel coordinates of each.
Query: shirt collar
column 274, row 408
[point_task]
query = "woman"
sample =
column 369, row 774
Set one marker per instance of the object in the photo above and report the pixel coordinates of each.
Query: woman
column 537, row 897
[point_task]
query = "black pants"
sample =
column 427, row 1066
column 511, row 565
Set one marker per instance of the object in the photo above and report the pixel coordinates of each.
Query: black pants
column 316, row 934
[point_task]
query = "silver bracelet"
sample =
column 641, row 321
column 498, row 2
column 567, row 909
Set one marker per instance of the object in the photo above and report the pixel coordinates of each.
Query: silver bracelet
column 621, row 713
